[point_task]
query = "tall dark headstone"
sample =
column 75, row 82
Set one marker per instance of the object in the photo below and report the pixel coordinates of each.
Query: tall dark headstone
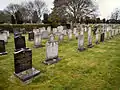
column 19, row 42
column 2, row 48
column 31, row 36
column 102, row 37
column 23, row 65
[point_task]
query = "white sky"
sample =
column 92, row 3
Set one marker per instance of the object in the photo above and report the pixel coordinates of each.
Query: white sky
column 105, row 6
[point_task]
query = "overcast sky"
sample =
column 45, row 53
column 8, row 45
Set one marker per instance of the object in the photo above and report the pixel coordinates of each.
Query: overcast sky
column 105, row 6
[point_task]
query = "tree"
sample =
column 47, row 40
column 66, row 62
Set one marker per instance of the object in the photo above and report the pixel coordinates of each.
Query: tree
column 115, row 14
column 27, row 9
column 45, row 18
column 13, row 21
column 4, row 17
column 35, row 17
column 18, row 16
column 75, row 9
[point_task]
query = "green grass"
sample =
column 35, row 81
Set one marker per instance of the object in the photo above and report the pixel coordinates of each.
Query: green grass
column 97, row 68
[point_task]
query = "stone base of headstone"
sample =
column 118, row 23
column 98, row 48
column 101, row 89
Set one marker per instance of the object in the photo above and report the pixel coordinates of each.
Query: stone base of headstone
column 90, row 46
column 51, row 61
column 3, row 53
column 40, row 46
column 81, row 49
column 28, row 74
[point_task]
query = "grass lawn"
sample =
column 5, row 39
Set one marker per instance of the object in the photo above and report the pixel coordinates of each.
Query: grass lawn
column 97, row 68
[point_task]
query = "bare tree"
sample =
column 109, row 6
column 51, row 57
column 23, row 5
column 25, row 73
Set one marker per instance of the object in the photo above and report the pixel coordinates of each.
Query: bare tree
column 76, row 9
column 12, row 8
column 115, row 14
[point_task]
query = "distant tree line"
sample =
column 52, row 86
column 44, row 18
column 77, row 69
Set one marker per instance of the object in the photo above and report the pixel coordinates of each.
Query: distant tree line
column 63, row 12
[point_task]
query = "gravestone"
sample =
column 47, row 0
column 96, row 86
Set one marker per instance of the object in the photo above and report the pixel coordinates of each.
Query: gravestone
column 2, row 48
column 102, row 37
column 76, row 35
column 64, row 32
column 19, row 43
column 31, row 36
column 51, row 38
column 61, row 37
column 97, row 36
column 23, row 65
column 45, row 35
column 51, row 53
column 3, row 36
column 81, row 43
column 49, row 29
column 89, row 38
column 7, row 32
column 70, row 34
column 54, row 30
column 37, row 40
column 74, row 31
column 105, row 31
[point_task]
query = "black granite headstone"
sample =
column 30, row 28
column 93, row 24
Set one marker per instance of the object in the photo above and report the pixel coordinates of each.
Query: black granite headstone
column 102, row 37
column 23, row 65
column 2, row 48
column 19, row 42
column 31, row 36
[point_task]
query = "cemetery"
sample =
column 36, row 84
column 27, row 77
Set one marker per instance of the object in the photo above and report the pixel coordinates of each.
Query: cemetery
column 70, row 47
column 64, row 63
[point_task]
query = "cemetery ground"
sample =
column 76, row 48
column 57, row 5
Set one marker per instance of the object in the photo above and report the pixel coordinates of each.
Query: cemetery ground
column 96, row 68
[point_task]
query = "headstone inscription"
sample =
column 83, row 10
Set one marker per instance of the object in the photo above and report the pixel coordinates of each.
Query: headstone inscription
column 2, row 48
column 23, row 65
column 31, row 36
column 51, row 53
column 81, row 43
column 19, row 43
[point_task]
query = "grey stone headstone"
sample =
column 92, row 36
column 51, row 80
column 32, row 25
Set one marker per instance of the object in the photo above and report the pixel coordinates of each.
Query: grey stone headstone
column 81, row 43
column 49, row 29
column 37, row 39
column 74, row 31
column 89, row 38
column 97, row 36
column 4, row 36
column 45, row 35
column 64, row 32
column 54, row 30
column 51, row 38
column 51, row 53
column 61, row 37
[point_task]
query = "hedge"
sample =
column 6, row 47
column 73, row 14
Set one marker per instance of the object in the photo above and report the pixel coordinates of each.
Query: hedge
column 10, row 27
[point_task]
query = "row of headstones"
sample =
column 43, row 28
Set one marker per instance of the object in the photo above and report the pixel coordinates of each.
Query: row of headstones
column 23, row 55
column 103, row 35
column 23, row 58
